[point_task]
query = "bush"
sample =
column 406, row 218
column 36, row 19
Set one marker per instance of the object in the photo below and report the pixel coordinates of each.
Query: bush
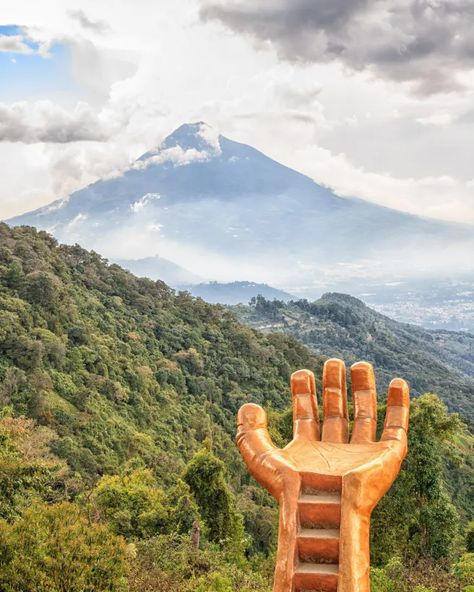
column 170, row 562
column 55, row 548
column 464, row 569
column 132, row 504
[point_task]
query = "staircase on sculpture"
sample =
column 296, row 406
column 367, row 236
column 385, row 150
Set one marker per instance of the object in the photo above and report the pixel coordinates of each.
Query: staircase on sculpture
column 319, row 518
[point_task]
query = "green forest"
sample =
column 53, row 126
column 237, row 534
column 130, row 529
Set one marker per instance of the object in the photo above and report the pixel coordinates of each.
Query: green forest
column 118, row 467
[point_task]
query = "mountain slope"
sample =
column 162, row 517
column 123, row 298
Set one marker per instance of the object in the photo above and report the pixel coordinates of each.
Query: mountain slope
column 338, row 325
column 226, row 210
column 122, row 369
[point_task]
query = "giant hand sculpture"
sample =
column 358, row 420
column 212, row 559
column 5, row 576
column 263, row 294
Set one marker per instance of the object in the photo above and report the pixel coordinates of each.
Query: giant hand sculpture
column 326, row 487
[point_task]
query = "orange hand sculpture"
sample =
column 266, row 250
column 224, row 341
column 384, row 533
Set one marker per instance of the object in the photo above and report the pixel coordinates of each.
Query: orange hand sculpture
column 326, row 487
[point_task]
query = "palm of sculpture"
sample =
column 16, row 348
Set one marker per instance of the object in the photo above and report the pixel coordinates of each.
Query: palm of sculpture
column 326, row 487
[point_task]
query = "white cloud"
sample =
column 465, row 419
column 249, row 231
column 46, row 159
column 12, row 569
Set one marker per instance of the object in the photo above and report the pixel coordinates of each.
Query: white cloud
column 155, row 227
column 175, row 155
column 211, row 136
column 441, row 197
column 87, row 23
column 77, row 220
column 141, row 203
column 438, row 119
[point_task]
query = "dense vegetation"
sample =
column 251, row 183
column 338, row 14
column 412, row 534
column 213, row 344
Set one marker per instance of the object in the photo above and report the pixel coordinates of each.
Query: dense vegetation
column 118, row 470
column 338, row 325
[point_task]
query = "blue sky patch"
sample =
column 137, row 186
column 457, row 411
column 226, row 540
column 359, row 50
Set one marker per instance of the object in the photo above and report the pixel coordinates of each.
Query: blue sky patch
column 11, row 30
column 30, row 76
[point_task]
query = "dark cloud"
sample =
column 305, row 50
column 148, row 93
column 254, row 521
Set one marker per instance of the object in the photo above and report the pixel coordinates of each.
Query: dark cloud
column 425, row 42
column 45, row 122
column 87, row 23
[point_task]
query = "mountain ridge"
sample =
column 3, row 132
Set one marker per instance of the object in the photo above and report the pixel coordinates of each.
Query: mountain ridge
column 340, row 325
column 158, row 268
column 234, row 292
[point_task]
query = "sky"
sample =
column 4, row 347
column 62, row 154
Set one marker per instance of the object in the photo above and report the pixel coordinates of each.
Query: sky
column 373, row 98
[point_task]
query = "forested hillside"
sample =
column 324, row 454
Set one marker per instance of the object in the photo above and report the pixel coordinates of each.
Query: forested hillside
column 338, row 325
column 122, row 367
column 118, row 469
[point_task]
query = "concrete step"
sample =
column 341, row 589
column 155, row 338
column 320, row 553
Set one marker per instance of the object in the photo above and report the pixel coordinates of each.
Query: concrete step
column 318, row 545
column 317, row 577
column 320, row 510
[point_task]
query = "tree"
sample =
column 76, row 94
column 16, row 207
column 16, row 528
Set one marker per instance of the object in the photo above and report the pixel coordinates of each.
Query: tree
column 42, row 288
column 28, row 471
column 14, row 275
column 184, row 513
column 13, row 384
column 417, row 519
column 470, row 537
column 205, row 475
column 464, row 570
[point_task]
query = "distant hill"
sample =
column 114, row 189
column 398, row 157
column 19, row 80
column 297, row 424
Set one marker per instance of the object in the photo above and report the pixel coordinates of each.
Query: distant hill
column 158, row 268
column 224, row 210
column 342, row 326
column 235, row 292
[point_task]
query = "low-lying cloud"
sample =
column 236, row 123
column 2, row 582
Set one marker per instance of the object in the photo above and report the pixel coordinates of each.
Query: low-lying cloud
column 428, row 43
column 175, row 155
column 43, row 121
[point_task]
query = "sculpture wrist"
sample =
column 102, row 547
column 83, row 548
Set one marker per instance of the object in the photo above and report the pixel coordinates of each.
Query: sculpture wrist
column 354, row 549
